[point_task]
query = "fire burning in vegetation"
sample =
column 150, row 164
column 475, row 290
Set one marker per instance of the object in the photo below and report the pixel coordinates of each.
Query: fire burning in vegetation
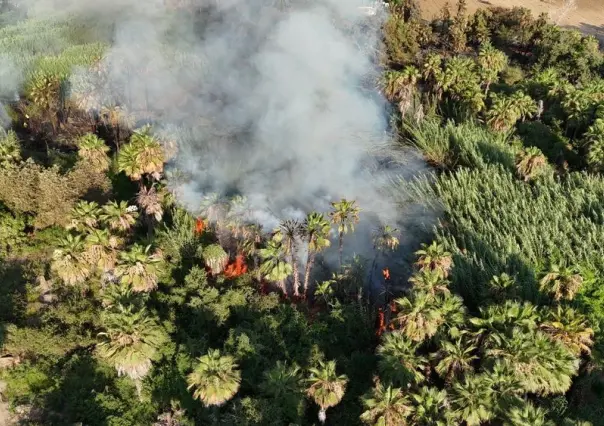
column 237, row 268
column 199, row 226
column 386, row 273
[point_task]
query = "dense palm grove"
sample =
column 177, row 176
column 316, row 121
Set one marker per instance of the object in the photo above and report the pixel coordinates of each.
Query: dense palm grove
column 119, row 307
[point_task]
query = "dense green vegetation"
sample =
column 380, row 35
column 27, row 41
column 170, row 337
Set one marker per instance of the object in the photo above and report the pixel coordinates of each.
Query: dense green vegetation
column 120, row 307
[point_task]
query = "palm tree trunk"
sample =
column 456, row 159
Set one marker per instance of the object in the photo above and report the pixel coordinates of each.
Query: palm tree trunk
column 322, row 415
column 296, row 276
column 341, row 247
column 283, row 287
column 310, row 261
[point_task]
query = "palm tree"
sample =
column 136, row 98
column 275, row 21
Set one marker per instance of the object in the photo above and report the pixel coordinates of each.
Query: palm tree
column 454, row 359
column 326, row 387
column 386, row 407
column 316, row 228
column 130, row 341
column 215, row 379
column 400, row 362
column 69, row 261
column 501, row 116
column 430, row 407
column 561, row 282
column 138, row 268
column 119, row 216
column 530, row 163
column 101, row 249
column 491, row 62
column 431, row 282
column 288, row 235
column 432, row 72
column 523, row 105
column 434, row 257
column 503, row 287
column 283, row 384
column 94, row 150
column 143, row 155
column 527, row 414
column 418, row 316
column 385, row 238
column 473, row 400
column 568, row 326
column 84, row 216
column 345, row 215
column 215, row 258
column 453, row 314
column 116, row 116
column 150, row 202
column 274, row 267
column 543, row 366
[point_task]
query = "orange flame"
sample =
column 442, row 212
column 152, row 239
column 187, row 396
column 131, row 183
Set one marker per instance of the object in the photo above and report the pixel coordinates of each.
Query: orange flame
column 381, row 322
column 236, row 268
column 386, row 273
column 199, row 226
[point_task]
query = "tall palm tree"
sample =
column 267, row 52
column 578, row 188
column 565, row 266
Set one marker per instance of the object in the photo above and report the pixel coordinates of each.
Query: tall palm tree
column 386, row 406
column 289, row 234
column 523, row 105
column 326, row 387
column 119, row 216
column 501, row 116
column 568, row 326
column 345, row 215
column 399, row 360
column 432, row 72
column 116, row 116
column 418, row 316
column 215, row 379
column 491, row 62
column 430, row 407
column 530, row 163
column 283, row 383
column 561, row 282
column 385, row 238
column 473, row 400
column 69, row 260
column 274, row 268
column 316, row 228
column 94, row 150
column 84, row 216
column 143, row 155
column 215, row 258
column 434, row 257
column 455, row 359
column 130, row 341
column 139, row 268
column 101, row 249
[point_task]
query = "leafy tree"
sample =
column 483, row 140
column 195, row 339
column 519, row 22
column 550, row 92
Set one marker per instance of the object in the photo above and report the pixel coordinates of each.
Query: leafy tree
column 400, row 361
column 345, row 215
column 473, row 400
column 138, row 268
column 418, row 316
column 143, row 155
column 130, row 341
column 274, row 267
column 571, row 328
column 316, row 229
column 326, row 387
column 430, row 407
column 561, row 282
column 283, row 383
column 386, row 406
column 215, row 379
column 455, row 359
column 119, row 216
column 94, row 150
column 434, row 257
column 84, row 216
column 69, row 262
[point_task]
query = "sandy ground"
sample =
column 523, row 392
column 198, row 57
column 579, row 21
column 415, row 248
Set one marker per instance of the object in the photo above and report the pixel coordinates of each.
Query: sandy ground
column 586, row 15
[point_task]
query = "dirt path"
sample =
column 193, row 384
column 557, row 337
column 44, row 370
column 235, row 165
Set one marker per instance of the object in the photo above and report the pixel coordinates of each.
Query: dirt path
column 586, row 15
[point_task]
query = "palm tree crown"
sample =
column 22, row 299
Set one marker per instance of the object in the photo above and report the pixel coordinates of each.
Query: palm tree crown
column 215, row 379
column 326, row 387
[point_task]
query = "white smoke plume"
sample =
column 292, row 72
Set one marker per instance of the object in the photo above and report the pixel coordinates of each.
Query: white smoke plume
column 275, row 101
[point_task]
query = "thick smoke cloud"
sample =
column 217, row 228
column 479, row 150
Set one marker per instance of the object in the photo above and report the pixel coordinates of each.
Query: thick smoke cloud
column 276, row 102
